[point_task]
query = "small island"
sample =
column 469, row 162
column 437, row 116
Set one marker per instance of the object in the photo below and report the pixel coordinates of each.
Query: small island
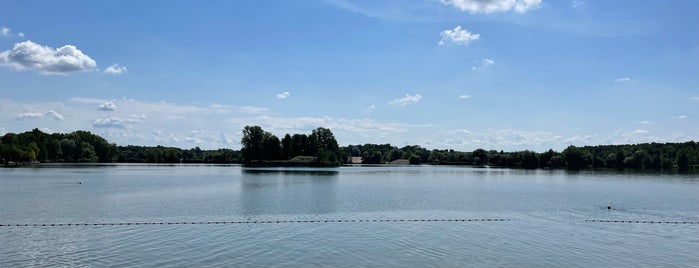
column 321, row 149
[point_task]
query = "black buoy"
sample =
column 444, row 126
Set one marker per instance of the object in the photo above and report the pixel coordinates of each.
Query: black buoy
column 609, row 207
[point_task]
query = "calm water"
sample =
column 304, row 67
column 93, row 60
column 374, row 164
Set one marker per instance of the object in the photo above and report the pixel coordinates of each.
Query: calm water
column 547, row 212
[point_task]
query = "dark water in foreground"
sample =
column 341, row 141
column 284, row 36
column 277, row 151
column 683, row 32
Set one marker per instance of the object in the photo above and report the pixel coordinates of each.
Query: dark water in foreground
column 547, row 212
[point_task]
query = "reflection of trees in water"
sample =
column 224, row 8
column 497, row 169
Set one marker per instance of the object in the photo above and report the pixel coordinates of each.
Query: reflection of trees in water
column 288, row 191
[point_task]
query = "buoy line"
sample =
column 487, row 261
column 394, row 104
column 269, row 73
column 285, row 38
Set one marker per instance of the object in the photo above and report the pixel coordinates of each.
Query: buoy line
column 647, row 222
column 247, row 222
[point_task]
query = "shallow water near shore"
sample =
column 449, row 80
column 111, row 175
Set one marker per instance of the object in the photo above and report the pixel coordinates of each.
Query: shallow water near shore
column 547, row 217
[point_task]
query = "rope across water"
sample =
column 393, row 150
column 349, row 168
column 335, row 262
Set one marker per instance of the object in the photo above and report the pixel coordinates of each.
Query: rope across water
column 249, row 222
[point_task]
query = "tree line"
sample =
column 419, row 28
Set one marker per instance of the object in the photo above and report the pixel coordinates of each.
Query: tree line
column 321, row 149
column 85, row 147
column 260, row 147
column 680, row 157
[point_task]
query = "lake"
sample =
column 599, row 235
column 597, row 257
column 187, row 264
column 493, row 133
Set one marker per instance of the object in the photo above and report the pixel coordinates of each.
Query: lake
column 408, row 216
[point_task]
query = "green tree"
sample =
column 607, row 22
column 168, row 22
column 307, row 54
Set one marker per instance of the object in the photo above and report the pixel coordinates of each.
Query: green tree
column 575, row 158
column 287, row 149
column 271, row 147
column 252, row 141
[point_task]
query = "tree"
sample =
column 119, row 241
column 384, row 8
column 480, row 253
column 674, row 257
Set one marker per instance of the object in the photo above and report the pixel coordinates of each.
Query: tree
column 575, row 158
column 271, row 147
column 68, row 147
column 252, row 141
column 287, row 147
column 299, row 144
column 682, row 162
column 322, row 138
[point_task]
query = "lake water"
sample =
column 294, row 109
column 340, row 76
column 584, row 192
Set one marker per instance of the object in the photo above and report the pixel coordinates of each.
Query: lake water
column 547, row 217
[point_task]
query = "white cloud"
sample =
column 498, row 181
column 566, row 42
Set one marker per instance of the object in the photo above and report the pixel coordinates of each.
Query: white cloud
column 491, row 6
column 5, row 32
column 135, row 118
column 623, row 79
column 54, row 115
column 28, row 55
column 115, row 69
column 577, row 3
column 112, row 122
column 283, row 95
column 88, row 100
column 464, row 96
column 107, row 106
column 30, row 115
column 484, row 63
column 645, row 122
column 680, row 117
column 694, row 98
column 370, row 109
column 408, row 99
column 458, row 36
column 20, row 35
column 194, row 140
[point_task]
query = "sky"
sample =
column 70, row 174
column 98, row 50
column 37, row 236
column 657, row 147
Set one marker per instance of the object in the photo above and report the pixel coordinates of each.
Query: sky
column 443, row 74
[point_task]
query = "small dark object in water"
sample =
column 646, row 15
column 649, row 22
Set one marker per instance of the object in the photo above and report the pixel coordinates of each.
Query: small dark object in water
column 80, row 182
column 609, row 207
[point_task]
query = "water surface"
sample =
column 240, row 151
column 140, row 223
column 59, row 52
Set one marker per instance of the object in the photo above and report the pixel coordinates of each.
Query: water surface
column 547, row 212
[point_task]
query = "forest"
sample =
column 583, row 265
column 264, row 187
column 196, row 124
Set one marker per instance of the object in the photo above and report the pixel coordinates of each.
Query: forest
column 320, row 148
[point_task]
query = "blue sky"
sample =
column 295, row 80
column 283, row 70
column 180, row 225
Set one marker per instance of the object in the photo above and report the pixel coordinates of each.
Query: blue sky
column 446, row 74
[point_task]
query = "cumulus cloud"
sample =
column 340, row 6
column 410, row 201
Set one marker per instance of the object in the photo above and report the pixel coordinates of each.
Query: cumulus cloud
column 54, row 115
column 484, row 63
column 20, row 35
column 408, row 99
column 458, row 36
column 115, row 69
column 492, row 6
column 623, row 79
column 112, row 122
column 107, row 106
column 28, row 55
column 283, row 95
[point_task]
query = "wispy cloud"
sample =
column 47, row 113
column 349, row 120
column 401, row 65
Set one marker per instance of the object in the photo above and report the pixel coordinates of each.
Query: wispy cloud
column 28, row 55
column 5, row 32
column 645, row 122
column 491, row 6
column 283, row 95
column 577, row 3
column 30, row 115
column 694, row 98
column 54, row 115
column 680, row 117
column 623, row 79
column 37, row 115
column 464, row 96
column 111, row 122
column 484, row 63
column 458, row 36
column 408, row 99
column 115, row 69
column 370, row 109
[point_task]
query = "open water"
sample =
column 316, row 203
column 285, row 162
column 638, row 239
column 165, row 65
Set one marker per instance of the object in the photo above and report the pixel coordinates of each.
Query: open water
column 408, row 216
